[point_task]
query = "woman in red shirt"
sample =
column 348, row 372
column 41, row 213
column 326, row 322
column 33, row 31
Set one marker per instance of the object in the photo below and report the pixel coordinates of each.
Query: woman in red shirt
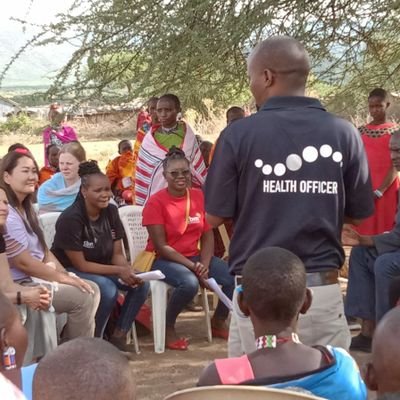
column 175, row 220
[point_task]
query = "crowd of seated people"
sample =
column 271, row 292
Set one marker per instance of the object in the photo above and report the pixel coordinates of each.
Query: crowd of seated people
column 81, row 274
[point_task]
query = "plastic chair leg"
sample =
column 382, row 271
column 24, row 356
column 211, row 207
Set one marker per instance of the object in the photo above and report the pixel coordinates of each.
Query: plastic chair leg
column 159, row 308
column 135, row 338
column 207, row 316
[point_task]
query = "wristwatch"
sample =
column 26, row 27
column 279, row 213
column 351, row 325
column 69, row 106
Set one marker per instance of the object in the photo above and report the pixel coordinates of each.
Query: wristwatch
column 378, row 193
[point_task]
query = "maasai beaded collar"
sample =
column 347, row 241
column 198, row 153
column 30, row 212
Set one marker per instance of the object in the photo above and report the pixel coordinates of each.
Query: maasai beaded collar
column 271, row 341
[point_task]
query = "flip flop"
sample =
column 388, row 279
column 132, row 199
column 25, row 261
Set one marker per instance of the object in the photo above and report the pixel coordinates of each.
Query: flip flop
column 180, row 344
column 220, row 333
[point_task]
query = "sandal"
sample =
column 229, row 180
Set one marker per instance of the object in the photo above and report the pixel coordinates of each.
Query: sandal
column 180, row 344
column 220, row 333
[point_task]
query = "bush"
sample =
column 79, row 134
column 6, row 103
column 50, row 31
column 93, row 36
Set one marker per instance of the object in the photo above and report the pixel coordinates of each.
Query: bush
column 20, row 124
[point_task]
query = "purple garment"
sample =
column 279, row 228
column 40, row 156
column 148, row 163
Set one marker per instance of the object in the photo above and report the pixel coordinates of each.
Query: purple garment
column 66, row 134
column 18, row 239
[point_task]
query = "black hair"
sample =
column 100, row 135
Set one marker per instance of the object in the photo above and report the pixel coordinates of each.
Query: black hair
column 87, row 169
column 274, row 284
column 380, row 93
column 31, row 222
column 235, row 110
column 174, row 99
column 17, row 146
column 154, row 98
column 173, row 154
column 122, row 142
column 49, row 147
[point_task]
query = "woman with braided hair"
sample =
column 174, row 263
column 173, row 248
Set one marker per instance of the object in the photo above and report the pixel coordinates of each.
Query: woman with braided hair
column 184, row 245
column 88, row 242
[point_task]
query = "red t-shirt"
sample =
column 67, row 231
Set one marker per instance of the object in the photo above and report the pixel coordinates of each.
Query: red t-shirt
column 170, row 211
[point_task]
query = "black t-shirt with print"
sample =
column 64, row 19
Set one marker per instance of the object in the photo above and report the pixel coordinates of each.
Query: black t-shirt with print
column 74, row 231
column 288, row 175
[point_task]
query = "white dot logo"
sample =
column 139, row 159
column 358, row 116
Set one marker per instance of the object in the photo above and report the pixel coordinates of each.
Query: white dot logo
column 258, row 163
column 279, row 169
column 293, row 162
column 337, row 156
column 325, row 151
column 310, row 154
column 267, row 169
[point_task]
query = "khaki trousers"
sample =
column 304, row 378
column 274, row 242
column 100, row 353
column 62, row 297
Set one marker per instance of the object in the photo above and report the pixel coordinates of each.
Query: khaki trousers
column 80, row 308
column 324, row 323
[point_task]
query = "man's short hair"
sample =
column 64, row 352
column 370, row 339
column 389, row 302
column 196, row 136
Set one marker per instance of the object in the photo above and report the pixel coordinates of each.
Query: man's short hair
column 234, row 113
column 274, row 284
column 84, row 368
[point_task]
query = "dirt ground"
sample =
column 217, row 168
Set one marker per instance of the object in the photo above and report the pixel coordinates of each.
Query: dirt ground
column 158, row 375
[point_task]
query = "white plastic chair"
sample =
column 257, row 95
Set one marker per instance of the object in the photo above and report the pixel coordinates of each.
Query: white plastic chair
column 131, row 217
column 238, row 392
column 48, row 224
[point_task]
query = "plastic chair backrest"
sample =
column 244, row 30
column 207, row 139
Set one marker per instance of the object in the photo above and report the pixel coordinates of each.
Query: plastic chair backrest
column 131, row 217
column 48, row 224
column 240, row 392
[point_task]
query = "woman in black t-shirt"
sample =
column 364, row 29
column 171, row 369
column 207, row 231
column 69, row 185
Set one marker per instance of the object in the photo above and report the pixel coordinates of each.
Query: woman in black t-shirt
column 88, row 241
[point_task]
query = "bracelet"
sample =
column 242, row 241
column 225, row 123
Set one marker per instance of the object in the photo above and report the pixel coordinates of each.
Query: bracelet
column 378, row 193
column 19, row 298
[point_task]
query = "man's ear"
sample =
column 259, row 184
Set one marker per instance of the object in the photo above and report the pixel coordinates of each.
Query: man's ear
column 370, row 377
column 244, row 308
column 307, row 301
column 269, row 77
column 3, row 340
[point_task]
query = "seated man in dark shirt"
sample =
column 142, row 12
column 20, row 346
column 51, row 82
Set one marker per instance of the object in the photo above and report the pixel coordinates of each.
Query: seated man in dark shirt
column 374, row 263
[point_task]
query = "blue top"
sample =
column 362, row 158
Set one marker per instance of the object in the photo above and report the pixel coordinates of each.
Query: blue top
column 27, row 380
column 287, row 176
column 54, row 196
column 340, row 381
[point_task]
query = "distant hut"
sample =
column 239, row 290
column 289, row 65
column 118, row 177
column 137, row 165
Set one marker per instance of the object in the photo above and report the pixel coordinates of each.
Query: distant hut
column 7, row 107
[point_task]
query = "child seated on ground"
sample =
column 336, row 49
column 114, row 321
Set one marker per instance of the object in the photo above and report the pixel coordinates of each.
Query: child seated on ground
column 120, row 171
column 273, row 293
column 84, row 368
column 46, row 172
column 383, row 372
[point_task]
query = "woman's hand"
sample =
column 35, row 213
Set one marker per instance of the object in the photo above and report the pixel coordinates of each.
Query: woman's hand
column 350, row 237
column 74, row 280
column 129, row 278
column 200, row 270
column 204, row 284
column 37, row 298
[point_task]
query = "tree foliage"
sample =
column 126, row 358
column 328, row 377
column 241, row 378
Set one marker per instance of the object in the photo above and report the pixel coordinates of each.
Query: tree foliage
column 198, row 48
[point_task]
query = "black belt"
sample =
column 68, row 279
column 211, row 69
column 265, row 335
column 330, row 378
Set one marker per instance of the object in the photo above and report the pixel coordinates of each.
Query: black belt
column 322, row 278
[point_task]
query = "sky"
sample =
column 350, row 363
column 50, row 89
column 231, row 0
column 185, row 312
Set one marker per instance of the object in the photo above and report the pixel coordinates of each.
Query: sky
column 36, row 11
column 36, row 66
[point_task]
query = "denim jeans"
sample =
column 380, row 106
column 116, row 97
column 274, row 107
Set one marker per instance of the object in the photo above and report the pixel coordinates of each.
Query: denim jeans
column 370, row 276
column 186, row 285
column 109, row 285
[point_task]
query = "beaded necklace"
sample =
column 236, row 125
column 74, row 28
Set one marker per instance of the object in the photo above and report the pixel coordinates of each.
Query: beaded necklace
column 272, row 341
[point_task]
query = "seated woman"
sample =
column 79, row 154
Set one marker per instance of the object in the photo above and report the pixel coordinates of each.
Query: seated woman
column 28, row 254
column 175, row 220
column 273, row 293
column 163, row 135
column 52, row 153
column 33, row 302
column 88, row 241
column 13, row 339
column 59, row 192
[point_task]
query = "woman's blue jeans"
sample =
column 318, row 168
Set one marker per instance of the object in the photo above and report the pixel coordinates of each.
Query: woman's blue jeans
column 186, row 285
column 109, row 286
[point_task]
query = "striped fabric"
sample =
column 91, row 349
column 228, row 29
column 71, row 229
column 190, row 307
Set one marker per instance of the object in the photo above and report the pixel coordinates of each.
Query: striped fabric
column 149, row 178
